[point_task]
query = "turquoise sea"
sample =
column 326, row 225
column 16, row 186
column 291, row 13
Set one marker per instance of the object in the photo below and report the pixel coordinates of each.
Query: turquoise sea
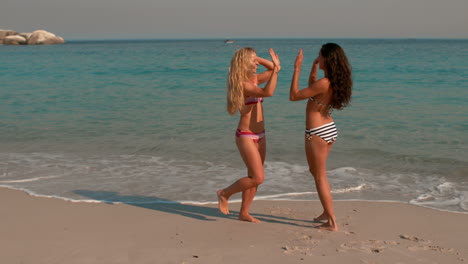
column 144, row 121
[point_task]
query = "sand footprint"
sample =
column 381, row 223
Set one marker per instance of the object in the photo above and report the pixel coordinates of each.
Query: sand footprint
column 426, row 245
column 303, row 244
column 297, row 250
column 414, row 239
column 368, row 246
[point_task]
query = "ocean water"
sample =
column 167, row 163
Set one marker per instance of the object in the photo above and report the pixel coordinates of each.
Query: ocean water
column 144, row 121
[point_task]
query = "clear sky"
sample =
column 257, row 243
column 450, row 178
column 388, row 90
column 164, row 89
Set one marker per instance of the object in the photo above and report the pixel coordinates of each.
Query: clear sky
column 103, row 19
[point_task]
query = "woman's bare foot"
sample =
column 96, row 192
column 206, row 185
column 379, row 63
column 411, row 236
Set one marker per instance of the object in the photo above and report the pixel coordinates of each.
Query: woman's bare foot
column 322, row 217
column 222, row 203
column 248, row 218
column 328, row 226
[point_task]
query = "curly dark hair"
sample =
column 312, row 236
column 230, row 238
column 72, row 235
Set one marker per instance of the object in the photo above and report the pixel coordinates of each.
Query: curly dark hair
column 338, row 72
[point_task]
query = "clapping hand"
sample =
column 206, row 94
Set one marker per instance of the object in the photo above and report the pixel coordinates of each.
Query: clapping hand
column 276, row 61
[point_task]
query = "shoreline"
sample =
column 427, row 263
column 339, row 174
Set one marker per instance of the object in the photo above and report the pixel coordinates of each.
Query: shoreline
column 44, row 230
column 237, row 200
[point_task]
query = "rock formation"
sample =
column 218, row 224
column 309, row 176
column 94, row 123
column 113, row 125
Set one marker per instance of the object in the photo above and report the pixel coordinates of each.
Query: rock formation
column 14, row 40
column 38, row 37
column 6, row 33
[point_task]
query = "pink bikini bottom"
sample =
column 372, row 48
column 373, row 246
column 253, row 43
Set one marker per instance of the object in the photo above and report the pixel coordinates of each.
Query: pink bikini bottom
column 256, row 137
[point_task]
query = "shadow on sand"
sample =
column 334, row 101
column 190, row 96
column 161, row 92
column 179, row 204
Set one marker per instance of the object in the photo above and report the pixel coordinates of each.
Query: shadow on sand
column 199, row 212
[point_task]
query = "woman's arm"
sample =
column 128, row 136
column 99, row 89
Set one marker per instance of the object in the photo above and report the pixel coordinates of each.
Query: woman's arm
column 313, row 72
column 252, row 90
column 315, row 87
column 294, row 89
column 269, row 65
column 266, row 63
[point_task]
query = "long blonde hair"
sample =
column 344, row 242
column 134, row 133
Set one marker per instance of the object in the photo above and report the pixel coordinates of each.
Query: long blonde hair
column 240, row 71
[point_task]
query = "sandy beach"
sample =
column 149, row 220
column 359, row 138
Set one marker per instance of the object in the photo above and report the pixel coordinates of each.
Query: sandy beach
column 46, row 230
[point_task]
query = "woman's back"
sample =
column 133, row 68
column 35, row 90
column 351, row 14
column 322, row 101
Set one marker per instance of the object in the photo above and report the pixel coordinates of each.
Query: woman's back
column 318, row 110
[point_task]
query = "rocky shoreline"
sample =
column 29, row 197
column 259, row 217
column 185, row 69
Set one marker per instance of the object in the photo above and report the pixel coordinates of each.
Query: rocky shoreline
column 38, row 37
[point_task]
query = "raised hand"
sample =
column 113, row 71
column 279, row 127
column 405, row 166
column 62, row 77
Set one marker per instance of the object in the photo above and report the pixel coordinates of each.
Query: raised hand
column 275, row 59
column 299, row 59
column 316, row 61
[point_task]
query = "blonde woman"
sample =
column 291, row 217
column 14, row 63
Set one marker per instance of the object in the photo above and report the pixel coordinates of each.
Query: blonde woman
column 323, row 95
column 246, row 97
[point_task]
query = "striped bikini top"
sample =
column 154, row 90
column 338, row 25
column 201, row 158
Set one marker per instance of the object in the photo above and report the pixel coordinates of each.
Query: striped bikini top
column 330, row 109
column 253, row 100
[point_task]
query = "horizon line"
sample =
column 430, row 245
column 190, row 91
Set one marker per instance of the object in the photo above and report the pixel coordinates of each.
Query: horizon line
column 258, row 38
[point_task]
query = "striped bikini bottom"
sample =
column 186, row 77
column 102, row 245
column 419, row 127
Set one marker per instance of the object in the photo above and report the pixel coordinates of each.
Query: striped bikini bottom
column 327, row 132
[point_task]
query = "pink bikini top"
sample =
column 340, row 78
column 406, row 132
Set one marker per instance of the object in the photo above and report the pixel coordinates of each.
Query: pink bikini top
column 253, row 100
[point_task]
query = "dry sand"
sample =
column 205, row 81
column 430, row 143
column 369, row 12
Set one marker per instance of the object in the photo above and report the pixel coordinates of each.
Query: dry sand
column 45, row 230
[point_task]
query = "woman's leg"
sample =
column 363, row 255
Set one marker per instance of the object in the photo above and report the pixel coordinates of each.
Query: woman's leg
column 252, row 158
column 317, row 151
column 249, row 194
